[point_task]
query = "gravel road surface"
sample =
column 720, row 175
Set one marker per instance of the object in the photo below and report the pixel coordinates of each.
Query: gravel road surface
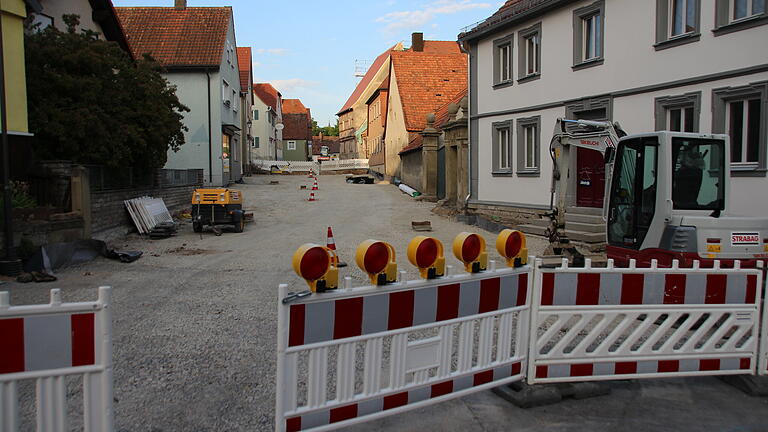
column 195, row 323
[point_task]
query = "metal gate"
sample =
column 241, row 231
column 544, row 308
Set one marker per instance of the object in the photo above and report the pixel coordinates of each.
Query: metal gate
column 441, row 172
column 364, row 353
column 615, row 323
column 48, row 343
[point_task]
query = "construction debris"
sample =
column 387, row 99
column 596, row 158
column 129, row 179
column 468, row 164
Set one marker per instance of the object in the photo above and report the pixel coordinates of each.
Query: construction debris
column 421, row 226
column 163, row 230
column 147, row 213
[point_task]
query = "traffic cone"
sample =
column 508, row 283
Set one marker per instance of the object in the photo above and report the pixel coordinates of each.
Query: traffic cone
column 314, row 186
column 311, row 196
column 331, row 244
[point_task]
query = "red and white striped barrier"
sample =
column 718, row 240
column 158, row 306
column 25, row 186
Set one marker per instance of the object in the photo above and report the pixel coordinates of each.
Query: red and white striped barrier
column 609, row 323
column 763, row 363
column 48, row 342
column 419, row 343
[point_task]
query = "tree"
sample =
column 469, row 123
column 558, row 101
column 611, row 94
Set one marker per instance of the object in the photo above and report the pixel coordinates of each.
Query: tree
column 326, row 130
column 91, row 103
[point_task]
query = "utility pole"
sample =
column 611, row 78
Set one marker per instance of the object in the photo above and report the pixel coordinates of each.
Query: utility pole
column 10, row 265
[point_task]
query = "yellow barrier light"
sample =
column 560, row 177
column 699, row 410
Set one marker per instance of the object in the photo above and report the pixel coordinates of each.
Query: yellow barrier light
column 316, row 265
column 511, row 244
column 426, row 253
column 469, row 248
column 377, row 258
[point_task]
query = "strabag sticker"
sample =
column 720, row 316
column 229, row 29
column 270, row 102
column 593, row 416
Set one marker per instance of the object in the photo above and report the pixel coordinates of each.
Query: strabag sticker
column 745, row 239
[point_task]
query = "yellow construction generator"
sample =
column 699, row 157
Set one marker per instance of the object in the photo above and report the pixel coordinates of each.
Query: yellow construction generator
column 211, row 207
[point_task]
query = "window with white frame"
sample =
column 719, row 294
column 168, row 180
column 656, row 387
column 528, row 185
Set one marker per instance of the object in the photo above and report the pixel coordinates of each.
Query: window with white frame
column 256, row 142
column 502, row 61
column 502, row 148
column 743, row 117
column 235, row 100
column 740, row 113
column 225, row 92
column 291, row 145
column 734, row 15
column 529, row 52
column 592, row 37
column 747, row 8
column 682, row 17
column 677, row 22
column 588, row 35
column 528, row 145
column 678, row 113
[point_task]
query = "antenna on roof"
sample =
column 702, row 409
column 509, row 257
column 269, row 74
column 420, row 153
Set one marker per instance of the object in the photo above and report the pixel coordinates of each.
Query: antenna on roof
column 361, row 67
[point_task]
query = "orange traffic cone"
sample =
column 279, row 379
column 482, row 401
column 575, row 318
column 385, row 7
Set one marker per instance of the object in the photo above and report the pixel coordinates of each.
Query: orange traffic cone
column 331, row 244
column 311, row 196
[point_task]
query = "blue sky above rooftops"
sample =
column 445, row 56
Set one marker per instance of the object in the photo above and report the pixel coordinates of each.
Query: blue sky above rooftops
column 307, row 49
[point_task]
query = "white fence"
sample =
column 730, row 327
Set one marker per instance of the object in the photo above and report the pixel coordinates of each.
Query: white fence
column 344, row 164
column 47, row 343
column 289, row 166
column 316, row 167
column 356, row 354
column 360, row 354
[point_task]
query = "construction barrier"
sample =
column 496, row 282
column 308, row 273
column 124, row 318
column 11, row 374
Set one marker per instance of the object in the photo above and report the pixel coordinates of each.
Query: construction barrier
column 47, row 343
column 344, row 164
column 618, row 323
column 393, row 348
column 350, row 355
column 289, row 166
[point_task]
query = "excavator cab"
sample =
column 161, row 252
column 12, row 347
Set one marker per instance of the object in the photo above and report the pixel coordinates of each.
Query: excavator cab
column 667, row 200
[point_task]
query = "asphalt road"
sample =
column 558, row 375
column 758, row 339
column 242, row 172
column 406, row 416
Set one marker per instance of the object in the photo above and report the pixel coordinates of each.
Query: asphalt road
column 195, row 324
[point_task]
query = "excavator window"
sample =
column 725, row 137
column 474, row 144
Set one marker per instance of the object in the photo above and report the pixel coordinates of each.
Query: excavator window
column 698, row 167
column 633, row 192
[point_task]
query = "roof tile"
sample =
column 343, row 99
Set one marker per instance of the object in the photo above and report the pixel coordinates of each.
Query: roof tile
column 244, row 63
column 189, row 37
column 268, row 94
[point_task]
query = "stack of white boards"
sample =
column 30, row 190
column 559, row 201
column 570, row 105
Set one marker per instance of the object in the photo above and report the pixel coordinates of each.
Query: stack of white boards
column 147, row 213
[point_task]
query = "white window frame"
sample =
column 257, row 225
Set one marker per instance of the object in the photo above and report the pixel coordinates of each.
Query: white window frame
column 501, row 152
column 591, row 39
column 235, row 100
column 503, row 74
column 687, row 4
column 750, row 10
column 742, row 162
column 225, row 92
column 290, row 145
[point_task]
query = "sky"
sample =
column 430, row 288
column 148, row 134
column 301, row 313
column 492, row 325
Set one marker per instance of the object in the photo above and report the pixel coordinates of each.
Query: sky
column 308, row 48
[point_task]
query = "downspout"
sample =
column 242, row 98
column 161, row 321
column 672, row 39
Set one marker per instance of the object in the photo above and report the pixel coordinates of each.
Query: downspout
column 210, row 130
column 464, row 49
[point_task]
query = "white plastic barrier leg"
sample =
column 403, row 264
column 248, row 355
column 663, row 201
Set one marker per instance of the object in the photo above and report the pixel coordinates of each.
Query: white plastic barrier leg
column 49, row 342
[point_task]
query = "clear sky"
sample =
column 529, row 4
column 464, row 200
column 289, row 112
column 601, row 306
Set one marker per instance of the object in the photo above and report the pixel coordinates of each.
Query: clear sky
column 307, row 48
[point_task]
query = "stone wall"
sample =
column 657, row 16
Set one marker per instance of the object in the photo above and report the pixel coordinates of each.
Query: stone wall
column 505, row 215
column 411, row 170
column 110, row 218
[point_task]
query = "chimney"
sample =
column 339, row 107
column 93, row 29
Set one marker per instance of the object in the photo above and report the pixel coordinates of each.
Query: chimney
column 180, row 4
column 417, row 42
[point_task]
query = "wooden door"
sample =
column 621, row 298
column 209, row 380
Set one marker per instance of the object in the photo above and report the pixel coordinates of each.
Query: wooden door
column 590, row 178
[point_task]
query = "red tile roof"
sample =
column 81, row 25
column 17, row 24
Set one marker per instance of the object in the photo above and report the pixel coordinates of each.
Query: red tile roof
column 293, row 106
column 297, row 126
column 268, row 94
column 429, row 79
column 331, row 141
column 367, row 78
column 441, row 115
column 413, row 144
column 193, row 36
column 244, row 63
